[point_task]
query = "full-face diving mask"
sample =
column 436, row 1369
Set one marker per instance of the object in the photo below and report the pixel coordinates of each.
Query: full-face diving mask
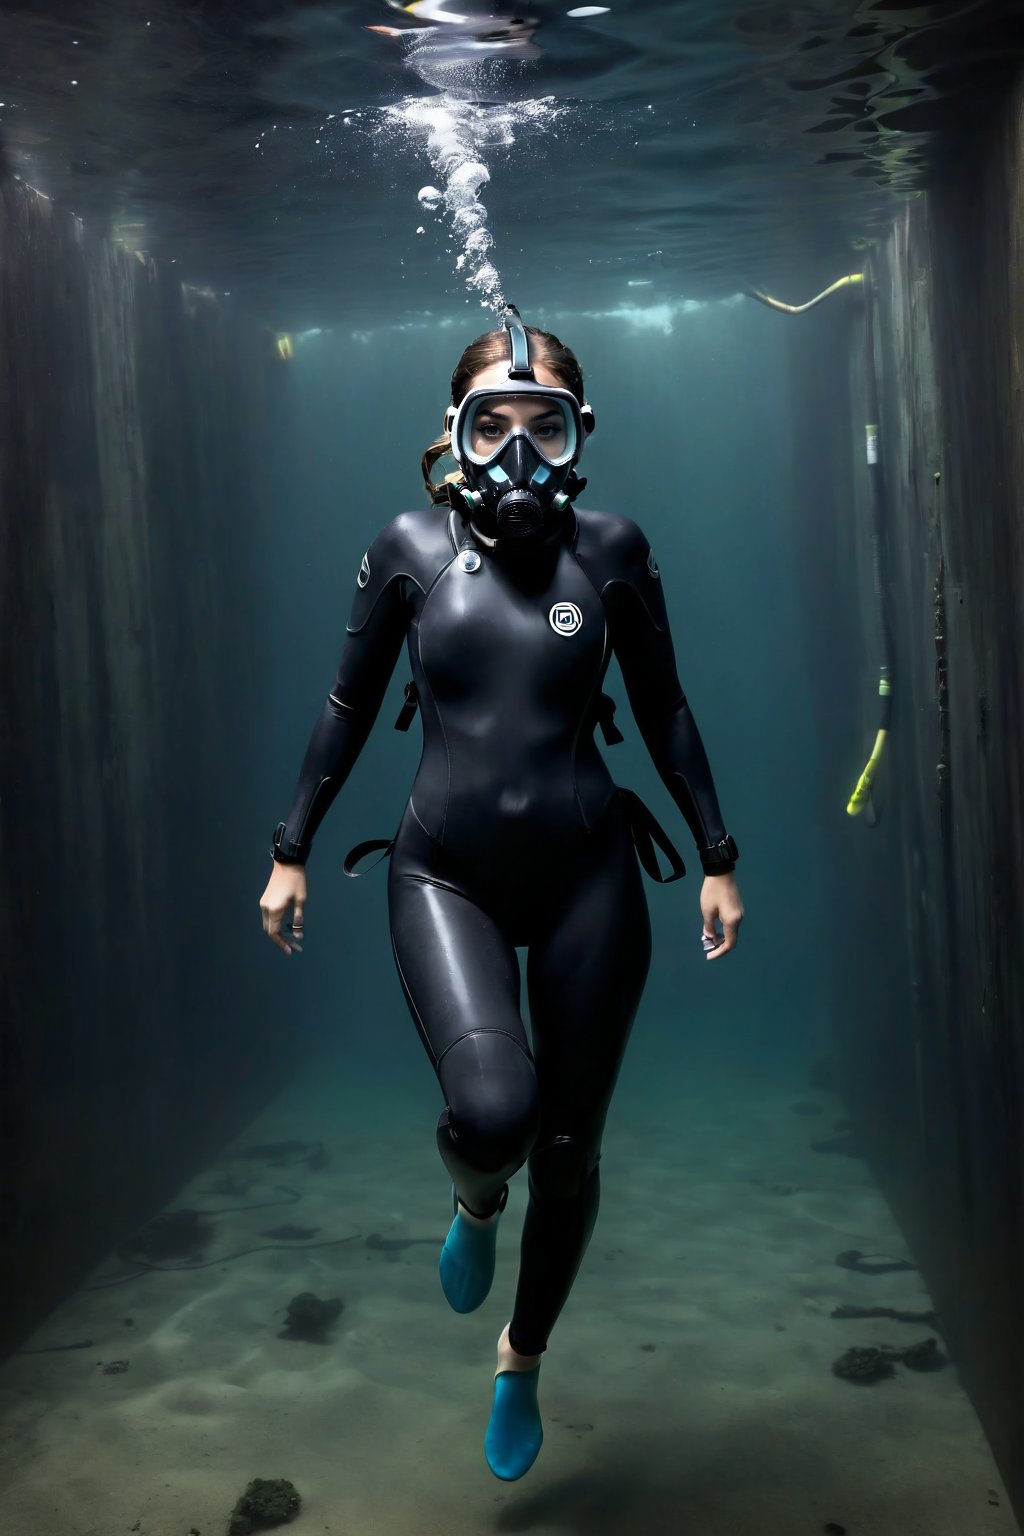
column 517, row 445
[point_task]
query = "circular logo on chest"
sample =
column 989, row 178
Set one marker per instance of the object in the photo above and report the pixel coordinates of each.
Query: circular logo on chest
column 469, row 561
column 565, row 618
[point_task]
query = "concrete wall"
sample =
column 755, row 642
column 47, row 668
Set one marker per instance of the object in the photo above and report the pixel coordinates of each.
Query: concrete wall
column 928, row 906
column 133, row 499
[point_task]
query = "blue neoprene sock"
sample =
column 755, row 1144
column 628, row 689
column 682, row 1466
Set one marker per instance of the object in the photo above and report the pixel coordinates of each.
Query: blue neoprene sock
column 467, row 1262
column 514, row 1434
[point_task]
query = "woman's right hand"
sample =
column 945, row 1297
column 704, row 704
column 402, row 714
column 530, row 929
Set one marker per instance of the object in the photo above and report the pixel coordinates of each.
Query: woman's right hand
column 285, row 888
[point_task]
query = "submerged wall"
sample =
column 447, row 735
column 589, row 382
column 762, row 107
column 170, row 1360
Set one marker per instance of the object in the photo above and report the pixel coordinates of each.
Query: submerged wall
column 134, row 418
column 928, row 905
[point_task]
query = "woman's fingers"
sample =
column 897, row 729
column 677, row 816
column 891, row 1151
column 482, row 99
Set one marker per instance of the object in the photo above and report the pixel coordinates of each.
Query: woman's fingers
column 273, row 917
column 730, row 915
column 285, row 890
column 272, row 926
column 728, row 942
column 298, row 925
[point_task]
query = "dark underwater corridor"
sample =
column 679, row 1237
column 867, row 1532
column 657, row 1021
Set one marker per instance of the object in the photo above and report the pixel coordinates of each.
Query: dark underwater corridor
column 230, row 305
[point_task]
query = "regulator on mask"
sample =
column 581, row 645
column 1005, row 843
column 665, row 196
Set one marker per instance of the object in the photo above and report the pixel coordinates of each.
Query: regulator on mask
column 517, row 446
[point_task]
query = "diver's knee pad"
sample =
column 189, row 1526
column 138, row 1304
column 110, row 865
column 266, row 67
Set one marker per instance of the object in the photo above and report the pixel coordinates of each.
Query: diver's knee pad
column 490, row 1120
column 499, row 1148
column 562, row 1168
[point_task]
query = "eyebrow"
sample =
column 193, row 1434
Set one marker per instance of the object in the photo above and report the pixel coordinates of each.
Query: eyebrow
column 499, row 411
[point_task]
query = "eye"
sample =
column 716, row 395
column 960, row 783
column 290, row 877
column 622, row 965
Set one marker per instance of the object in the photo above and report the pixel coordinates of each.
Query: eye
column 490, row 431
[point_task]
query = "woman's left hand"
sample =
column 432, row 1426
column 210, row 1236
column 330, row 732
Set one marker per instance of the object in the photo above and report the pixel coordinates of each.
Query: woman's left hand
column 720, row 898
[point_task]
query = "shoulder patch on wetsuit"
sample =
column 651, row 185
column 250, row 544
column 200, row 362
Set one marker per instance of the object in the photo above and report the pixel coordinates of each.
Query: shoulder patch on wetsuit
column 413, row 544
column 614, row 552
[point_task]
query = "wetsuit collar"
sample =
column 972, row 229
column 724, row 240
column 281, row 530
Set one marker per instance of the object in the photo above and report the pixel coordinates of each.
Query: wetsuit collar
column 459, row 522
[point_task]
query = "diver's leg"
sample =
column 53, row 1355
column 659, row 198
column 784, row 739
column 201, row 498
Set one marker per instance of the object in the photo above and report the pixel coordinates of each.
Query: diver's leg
column 585, row 981
column 461, row 981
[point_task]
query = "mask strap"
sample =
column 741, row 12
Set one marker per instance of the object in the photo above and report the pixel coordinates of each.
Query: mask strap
column 519, row 365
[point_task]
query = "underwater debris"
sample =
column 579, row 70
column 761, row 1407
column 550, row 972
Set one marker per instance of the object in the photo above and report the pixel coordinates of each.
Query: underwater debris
column 875, row 1362
column 925, row 1356
column 175, row 1234
column 865, row 1264
column 864, row 1365
column 929, row 1319
column 266, row 1502
column 115, row 1367
column 221, row 1260
column 309, row 1317
column 833, row 1528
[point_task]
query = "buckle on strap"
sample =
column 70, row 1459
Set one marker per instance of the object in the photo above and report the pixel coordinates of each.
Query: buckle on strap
column 361, row 850
column 646, row 831
column 408, row 709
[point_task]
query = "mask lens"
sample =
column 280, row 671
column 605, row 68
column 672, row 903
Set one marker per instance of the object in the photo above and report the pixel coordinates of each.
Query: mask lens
column 547, row 421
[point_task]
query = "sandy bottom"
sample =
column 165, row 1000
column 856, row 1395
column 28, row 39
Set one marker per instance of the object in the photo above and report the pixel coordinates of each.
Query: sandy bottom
column 688, row 1386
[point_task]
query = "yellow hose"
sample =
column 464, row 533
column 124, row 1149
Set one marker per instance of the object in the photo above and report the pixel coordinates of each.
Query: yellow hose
column 862, row 793
column 798, row 309
column 861, row 797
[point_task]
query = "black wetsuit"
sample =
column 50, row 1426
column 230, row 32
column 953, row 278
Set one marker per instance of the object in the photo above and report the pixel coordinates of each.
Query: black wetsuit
column 514, row 834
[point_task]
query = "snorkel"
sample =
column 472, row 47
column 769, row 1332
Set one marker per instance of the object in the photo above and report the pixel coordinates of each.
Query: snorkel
column 517, row 445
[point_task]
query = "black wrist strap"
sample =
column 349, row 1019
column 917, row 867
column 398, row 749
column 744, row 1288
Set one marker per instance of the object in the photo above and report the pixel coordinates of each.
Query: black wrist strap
column 720, row 858
column 284, row 851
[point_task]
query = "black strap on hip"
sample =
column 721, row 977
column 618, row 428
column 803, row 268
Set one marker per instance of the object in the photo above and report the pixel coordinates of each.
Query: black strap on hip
column 408, row 709
column 647, row 831
column 606, row 719
column 361, row 850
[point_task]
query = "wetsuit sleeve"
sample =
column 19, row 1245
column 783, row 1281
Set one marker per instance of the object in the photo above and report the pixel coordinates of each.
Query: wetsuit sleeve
column 376, row 629
column 638, row 621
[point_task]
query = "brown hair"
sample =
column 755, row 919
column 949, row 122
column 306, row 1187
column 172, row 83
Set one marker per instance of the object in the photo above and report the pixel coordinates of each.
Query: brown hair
column 484, row 352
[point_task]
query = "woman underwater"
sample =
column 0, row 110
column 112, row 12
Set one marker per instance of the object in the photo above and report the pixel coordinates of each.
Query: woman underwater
column 512, row 602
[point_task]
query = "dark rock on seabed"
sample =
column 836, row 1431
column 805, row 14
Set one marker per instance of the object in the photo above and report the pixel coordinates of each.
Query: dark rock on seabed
column 309, row 1317
column 266, row 1502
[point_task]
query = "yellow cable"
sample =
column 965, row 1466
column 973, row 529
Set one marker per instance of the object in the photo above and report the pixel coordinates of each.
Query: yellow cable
column 798, row 309
column 862, row 793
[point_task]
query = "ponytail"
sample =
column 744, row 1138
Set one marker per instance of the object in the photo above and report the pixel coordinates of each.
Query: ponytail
column 438, row 449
